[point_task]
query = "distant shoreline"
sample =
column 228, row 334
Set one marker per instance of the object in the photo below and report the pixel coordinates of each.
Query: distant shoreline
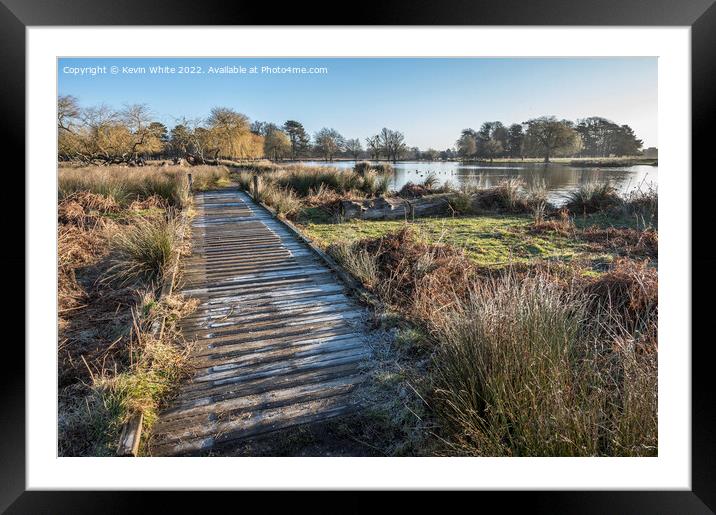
column 569, row 161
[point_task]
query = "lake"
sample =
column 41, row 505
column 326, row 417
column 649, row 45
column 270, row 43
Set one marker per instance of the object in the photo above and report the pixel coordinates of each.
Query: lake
column 558, row 179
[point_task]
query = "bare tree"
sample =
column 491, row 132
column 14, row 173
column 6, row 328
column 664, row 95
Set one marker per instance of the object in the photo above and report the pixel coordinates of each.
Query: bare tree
column 392, row 143
column 328, row 142
column 68, row 110
column 373, row 146
column 138, row 118
column 354, row 148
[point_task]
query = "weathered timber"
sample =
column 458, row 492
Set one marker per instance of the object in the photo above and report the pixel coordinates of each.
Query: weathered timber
column 278, row 340
column 130, row 437
column 392, row 208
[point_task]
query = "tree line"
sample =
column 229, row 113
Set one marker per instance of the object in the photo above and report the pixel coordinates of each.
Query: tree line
column 548, row 137
column 103, row 135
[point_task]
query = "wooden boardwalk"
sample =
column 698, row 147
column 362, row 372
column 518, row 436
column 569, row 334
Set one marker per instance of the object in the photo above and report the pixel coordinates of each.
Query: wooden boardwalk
column 278, row 341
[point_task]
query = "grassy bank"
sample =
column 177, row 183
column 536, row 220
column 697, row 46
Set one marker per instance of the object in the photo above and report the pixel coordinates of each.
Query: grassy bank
column 118, row 233
column 539, row 359
column 499, row 240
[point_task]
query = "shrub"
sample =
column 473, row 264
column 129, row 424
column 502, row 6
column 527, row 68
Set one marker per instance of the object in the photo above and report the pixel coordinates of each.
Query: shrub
column 630, row 292
column 414, row 276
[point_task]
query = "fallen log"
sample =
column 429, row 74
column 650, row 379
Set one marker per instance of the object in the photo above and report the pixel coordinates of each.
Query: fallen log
column 393, row 208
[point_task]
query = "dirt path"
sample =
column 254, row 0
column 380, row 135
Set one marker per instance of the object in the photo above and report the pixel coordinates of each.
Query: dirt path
column 278, row 341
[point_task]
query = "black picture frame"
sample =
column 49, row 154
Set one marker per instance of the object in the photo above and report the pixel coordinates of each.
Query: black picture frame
column 700, row 15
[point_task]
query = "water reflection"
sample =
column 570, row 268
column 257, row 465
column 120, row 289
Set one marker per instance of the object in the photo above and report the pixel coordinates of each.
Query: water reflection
column 557, row 179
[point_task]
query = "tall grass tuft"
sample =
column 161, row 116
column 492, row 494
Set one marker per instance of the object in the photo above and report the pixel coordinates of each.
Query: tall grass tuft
column 523, row 368
column 643, row 204
column 362, row 167
column 243, row 180
column 383, row 184
column 386, row 168
column 593, row 197
column 357, row 261
column 431, row 181
column 370, row 183
column 143, row 250
column 283, row 200
column 511, row 192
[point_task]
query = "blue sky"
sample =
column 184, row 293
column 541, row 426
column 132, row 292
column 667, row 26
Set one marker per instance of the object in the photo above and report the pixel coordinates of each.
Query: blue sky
column 429, row 100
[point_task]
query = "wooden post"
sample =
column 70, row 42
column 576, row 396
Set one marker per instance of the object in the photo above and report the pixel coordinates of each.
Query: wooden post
column 130, row 437
column 256, row 185
column 191, row 182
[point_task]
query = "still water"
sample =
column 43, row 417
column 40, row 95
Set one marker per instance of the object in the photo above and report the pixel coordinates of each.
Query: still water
column 557, row 179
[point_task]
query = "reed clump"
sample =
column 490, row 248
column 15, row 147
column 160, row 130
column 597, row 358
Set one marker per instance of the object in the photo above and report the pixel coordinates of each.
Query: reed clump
column 523, row 367
column 144, row 249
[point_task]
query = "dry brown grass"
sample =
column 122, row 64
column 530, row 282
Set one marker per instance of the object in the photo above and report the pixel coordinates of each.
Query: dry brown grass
column 525, row 367
column 143, row 250
column 415, row 275
column 531, row 360
column 562, row 224
column 83, row 207
column 142, row 377
column 108, row 364
column 626, row 241
column 630, row 292
column 124, row 185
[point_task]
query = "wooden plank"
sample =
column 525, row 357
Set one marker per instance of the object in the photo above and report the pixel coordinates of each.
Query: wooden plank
column 232, row 406
column 200, row 439
column 207, row 394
